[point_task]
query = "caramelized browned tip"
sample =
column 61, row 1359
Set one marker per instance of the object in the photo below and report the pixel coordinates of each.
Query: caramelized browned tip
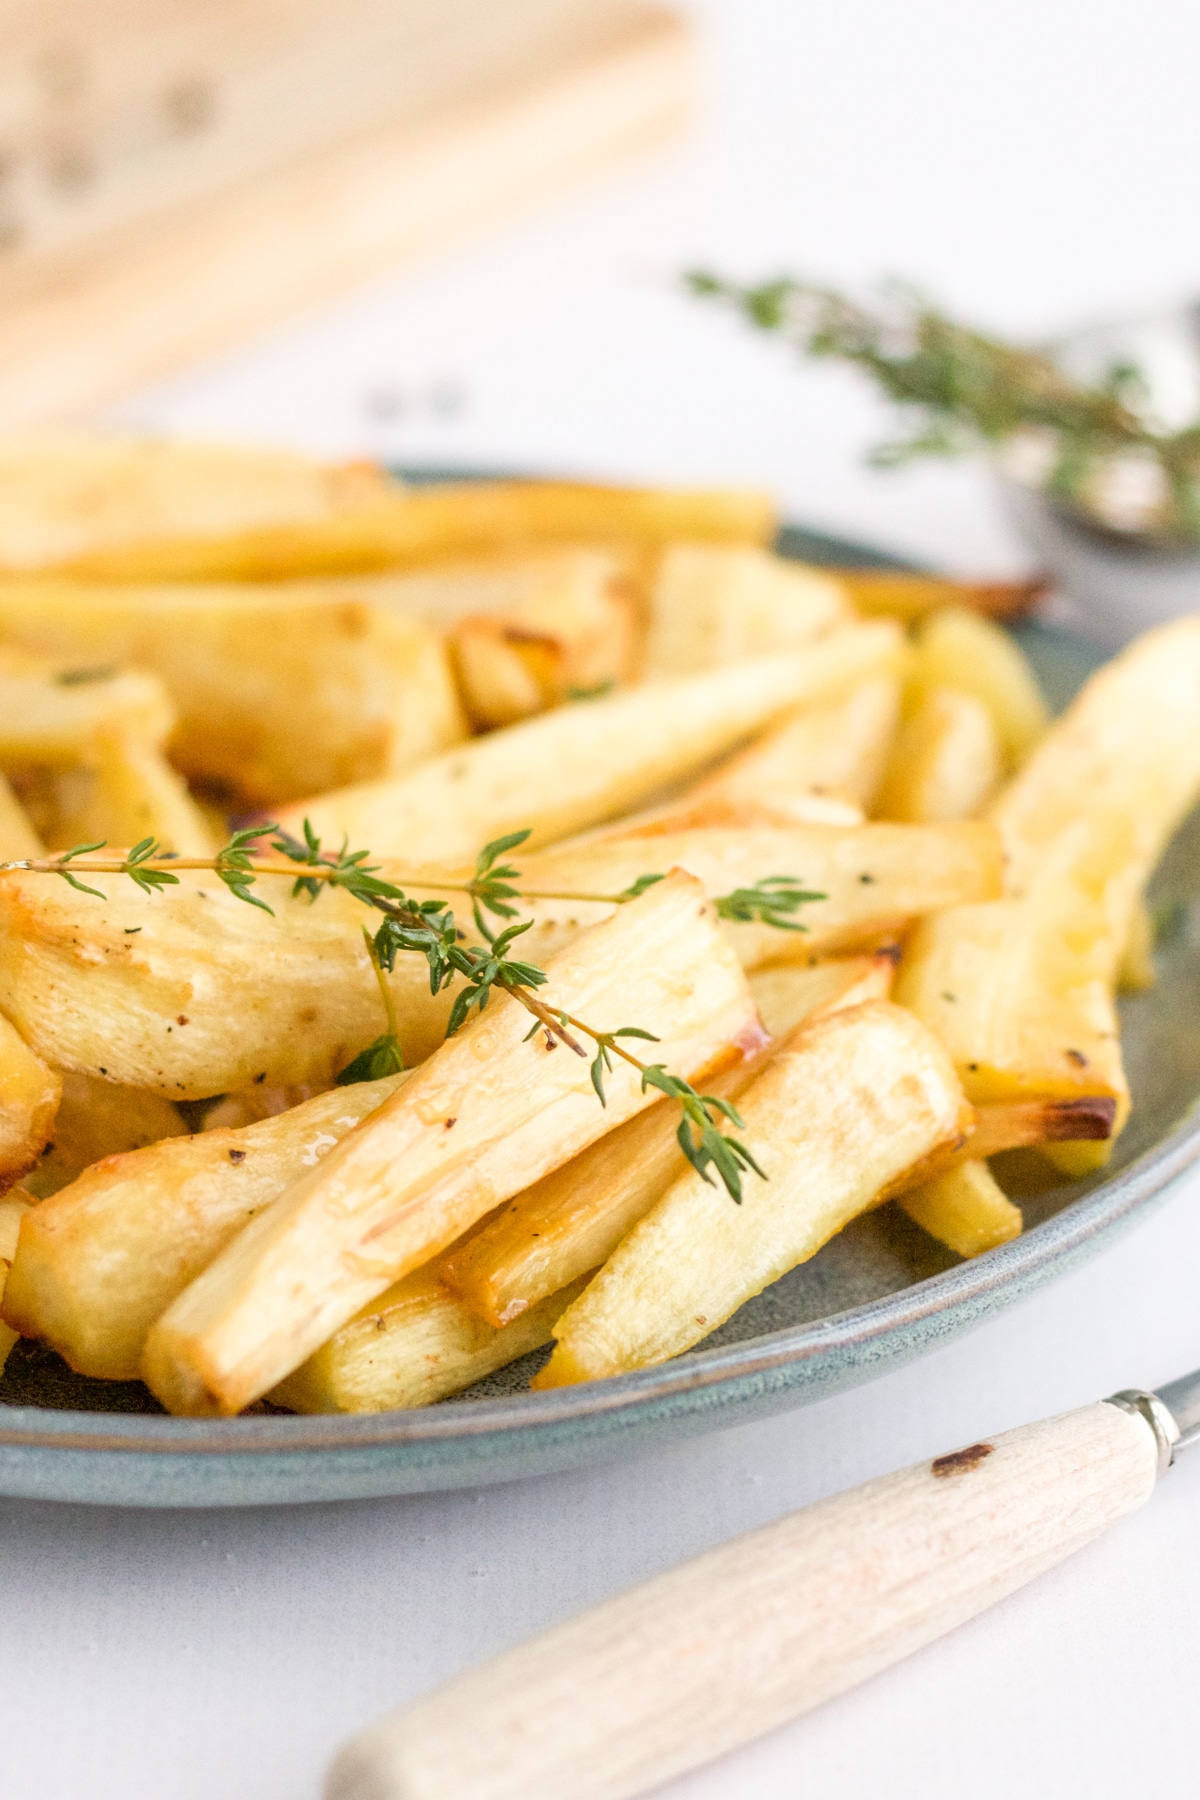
column 1007, row 599
column 1069, row 1120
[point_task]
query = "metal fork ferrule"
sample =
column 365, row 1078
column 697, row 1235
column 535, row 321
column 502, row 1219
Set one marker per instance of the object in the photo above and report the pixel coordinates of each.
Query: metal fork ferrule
column 1158, row 1417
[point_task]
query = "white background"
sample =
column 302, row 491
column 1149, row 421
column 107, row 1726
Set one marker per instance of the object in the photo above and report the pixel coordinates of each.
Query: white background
column 1033, row 165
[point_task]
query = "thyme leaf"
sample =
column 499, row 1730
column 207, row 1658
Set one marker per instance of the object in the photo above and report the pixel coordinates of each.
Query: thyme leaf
column 637, row 888
column 383, row 1057
column 699, row 1137
column 767, row 903
column 69, row 856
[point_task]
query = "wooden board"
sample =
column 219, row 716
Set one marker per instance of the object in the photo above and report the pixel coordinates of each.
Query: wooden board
column 130, row 246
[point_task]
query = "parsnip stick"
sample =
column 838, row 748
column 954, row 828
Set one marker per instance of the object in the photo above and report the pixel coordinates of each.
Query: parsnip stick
column 836, row 750
column 29, row 1097
column 960, row 650
column 414, row 1345
column 99, row 1119
column 51, row 709
column 897, row 594
column 192, row 993
column 1126, row 752
column 965, row 1209
column 18, row 837
column 572, row 768
column 573, row 1219
column 66, row 495
column 99, row 1262
column 1021, row 990
column 491, row 1112
column 280, row 690
column 875, row 878
column 945, row 763
column 419, row 526
column 1083, row 825
column 12, row 1210
column 716, row 604
column 854, row 1100
column 1015, row 1124
column 125, row 790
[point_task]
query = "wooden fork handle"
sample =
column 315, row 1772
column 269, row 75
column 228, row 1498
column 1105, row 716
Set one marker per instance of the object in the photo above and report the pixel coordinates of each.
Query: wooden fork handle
column 724, row 1648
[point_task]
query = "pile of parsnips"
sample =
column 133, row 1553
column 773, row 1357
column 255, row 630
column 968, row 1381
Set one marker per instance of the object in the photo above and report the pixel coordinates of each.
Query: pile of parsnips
column 187, row 632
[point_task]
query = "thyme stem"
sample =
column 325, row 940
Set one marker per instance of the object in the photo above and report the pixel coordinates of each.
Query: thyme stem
column 389, row 1004
column 327, row 873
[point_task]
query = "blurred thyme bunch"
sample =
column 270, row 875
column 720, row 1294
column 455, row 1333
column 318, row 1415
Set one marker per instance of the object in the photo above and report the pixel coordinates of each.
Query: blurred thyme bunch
column 1094, row 448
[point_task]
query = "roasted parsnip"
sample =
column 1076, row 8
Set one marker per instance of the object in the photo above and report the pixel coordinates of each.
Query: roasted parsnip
column 574, row 1218
column 12, row 1211
column 125, row 790
column 874, row 879
column 419, row 526
column 414, row 1345
column 581, row 764
column 966, row 1209
column 191, row 993
column 29, row 1097
column 66, row 496
column 1124, row 759
column 854, row 1100
column 946, row 762
column 1021, row 991
column 958, row 648
column 716, row 604
column 281, row 690
column 836, row 750
column 98, row 1119
column 491, row 1112
column 102, row 1259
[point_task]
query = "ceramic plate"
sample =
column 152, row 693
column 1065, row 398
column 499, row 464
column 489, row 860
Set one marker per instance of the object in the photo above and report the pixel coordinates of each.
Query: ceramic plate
column 878, row 1294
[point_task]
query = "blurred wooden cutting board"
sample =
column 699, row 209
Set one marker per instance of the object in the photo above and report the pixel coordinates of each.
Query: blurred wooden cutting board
column 177, row 173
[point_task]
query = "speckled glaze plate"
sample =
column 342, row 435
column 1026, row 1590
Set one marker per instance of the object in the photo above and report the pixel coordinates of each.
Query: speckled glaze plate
column 878, row 1294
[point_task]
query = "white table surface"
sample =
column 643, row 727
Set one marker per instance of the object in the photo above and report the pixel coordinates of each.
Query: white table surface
column 1026, row 162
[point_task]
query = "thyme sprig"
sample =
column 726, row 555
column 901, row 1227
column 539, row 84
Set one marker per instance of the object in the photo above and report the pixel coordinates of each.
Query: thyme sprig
column 489, row 890
column 1096, row 447
column 698, row 1136
column 428, row 928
